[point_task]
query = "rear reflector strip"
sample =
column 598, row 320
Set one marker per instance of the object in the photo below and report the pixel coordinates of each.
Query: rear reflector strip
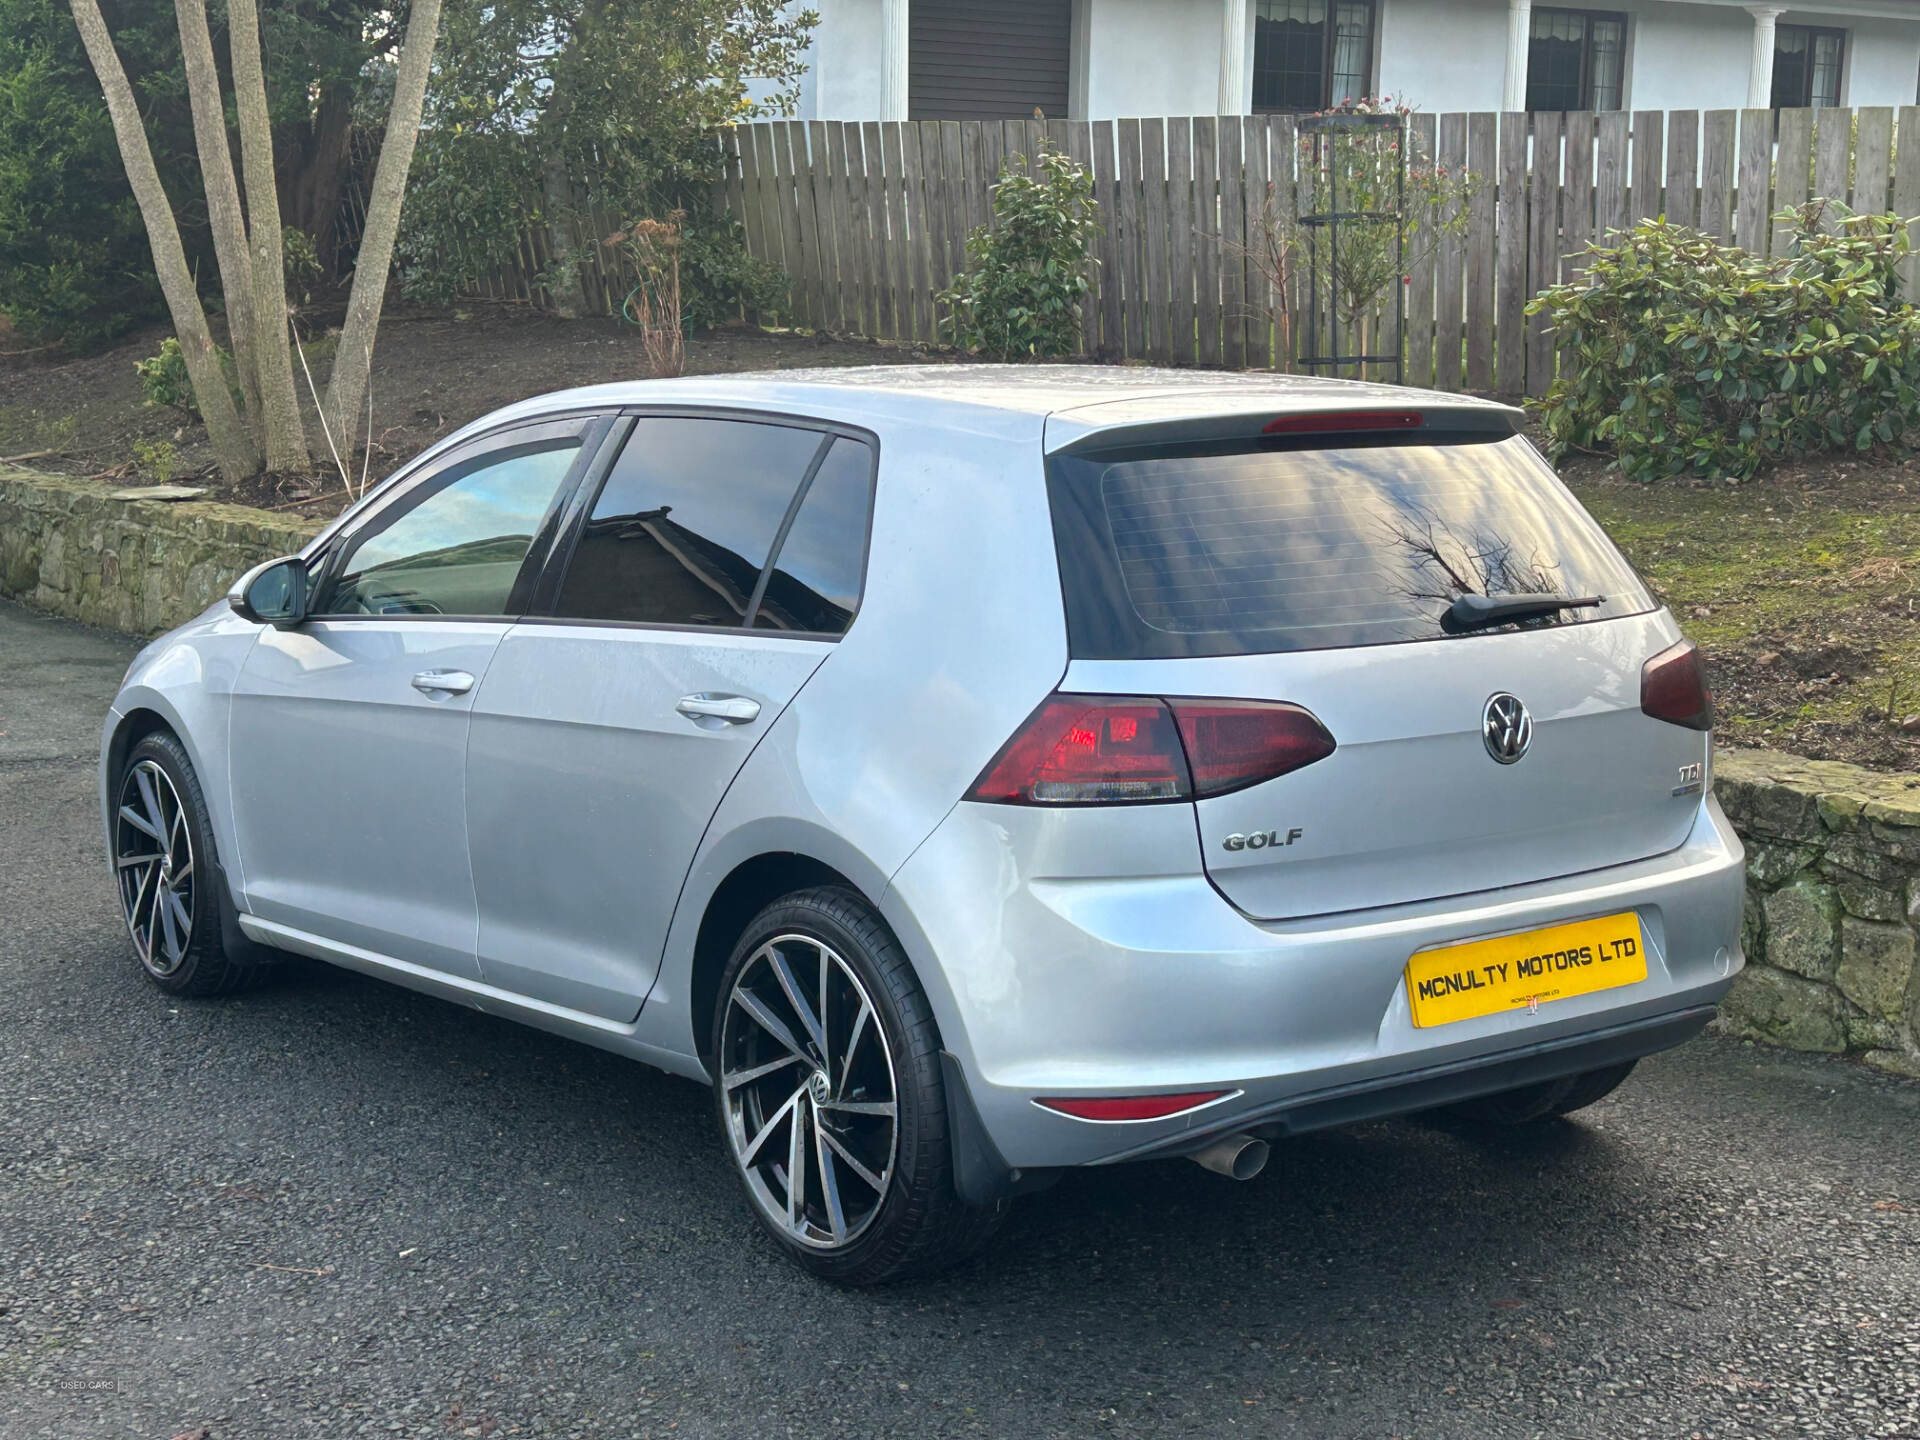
column 1334, row 421
column 1130, row 1107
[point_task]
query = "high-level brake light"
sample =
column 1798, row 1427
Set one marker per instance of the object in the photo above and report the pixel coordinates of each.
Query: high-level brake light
column 1333, row 421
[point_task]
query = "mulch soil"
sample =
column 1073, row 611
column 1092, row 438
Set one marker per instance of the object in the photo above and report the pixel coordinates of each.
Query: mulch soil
column 433, row 371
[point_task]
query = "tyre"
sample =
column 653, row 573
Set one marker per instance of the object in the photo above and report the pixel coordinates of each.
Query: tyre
column 168, row 876
column 1547, row 1100
column 828, row 1086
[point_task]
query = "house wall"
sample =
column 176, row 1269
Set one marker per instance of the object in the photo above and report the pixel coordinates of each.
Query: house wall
column 1442, row 56
column 843, row 79
column 1883, row 59
column 1153, row 57
column 1688, row 57
column 1162, row 57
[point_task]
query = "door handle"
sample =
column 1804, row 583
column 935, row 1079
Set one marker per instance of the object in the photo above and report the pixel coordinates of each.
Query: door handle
column 727, row 709
column 443, row 682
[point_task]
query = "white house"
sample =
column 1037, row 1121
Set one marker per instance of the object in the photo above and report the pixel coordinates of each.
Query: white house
column 1100, row 59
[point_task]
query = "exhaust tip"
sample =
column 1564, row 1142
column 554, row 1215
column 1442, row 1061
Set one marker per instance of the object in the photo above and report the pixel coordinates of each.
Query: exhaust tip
column 1238, row 1157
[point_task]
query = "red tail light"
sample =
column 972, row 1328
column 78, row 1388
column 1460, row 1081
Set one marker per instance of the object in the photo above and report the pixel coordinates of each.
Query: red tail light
column 1089, row 750
column 1673, row 687
column 1122, row 750
column 1232, row 744
column 1130, row 1107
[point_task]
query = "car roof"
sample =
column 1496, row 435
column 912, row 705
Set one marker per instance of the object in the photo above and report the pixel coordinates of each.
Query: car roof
column 1089, row 396
column 1063, row 404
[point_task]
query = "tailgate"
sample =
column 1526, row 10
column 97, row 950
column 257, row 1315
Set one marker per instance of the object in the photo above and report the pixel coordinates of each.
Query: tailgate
column 1415, row 587
column 1412, row 805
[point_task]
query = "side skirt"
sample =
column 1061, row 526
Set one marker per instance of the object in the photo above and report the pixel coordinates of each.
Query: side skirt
column 604, row 1034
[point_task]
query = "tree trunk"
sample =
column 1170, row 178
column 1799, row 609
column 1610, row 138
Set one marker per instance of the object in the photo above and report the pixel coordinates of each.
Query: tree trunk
column 233, row 447
column 314, row 172
column 279, row 404
column 564, row 290
column 223, row 197
column 353, row 361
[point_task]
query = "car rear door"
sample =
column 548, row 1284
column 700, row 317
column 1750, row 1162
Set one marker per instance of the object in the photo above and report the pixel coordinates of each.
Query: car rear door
column 1321, row 571
column 705, row 583
column 349, row 732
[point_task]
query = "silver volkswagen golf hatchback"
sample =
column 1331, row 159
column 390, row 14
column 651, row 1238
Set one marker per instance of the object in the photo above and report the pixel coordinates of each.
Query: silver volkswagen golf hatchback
column 967, row 772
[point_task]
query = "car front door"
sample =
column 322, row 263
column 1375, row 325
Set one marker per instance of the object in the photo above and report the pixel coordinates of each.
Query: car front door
column 707, row 581
column 349, row 731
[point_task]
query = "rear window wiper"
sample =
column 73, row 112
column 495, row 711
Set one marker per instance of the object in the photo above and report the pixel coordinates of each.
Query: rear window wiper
column 1476, row 612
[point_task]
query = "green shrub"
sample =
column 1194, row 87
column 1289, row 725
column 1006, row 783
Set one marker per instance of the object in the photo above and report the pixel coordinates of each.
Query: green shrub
column 719, row 280
column 1683, row 354
column 164, row 379
column 300, row 263
column 159, row 460
column 1026, row 279
column 75, row 265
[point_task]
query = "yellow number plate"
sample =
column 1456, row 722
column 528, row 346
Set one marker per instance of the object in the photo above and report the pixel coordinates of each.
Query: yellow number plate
column 1459, row 982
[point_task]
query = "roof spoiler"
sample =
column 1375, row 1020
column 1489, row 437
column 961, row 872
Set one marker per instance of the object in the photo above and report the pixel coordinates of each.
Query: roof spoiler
column 1407, row 414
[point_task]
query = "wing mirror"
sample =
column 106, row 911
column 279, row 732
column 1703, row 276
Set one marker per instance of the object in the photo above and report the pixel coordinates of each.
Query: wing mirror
column 272, row 594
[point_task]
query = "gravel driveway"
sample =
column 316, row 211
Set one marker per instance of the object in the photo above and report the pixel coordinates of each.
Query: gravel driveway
column 334, row 1208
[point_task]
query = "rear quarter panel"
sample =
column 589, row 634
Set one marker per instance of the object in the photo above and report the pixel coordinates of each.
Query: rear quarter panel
column 960, row 633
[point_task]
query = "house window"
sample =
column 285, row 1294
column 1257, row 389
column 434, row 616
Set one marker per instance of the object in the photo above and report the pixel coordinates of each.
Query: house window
column 1806, row 66
column 1576, row 59
column 1311, row 54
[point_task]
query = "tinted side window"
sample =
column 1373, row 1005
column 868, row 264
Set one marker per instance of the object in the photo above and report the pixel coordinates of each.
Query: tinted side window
column 815, row 585
column 683, row 527
column 459, row 550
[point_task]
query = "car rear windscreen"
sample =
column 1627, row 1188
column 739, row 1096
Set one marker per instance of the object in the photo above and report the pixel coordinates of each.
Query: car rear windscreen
column 1246, row 550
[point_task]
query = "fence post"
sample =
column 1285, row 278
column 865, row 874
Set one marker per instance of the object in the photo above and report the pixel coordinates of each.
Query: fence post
column 1283, row 155
column 1113, row 335
column 1180, row 256
column 1478, row 151
column 1832, row 154
column 1792, row 170
column 1254, row 190
column 1543, row 244
column 1718, row 129
column 1906, row 188
column 1872, row 157
column 1683, row 159
column 1510, row 294
column 1233, row 235
column 1755, row 200
column 1132, row 257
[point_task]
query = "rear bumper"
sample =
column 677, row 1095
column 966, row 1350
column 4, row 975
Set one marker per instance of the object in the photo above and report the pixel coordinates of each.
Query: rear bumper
column 1444, row 1084
column 1155, row 984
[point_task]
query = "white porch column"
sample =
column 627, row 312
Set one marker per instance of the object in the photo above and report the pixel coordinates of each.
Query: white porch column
column 893, row 59
column 1513, row 95
column 1233, row 57
column 1760, row 69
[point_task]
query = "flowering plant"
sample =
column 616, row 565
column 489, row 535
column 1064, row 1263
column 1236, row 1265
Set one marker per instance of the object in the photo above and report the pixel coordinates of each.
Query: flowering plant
column 1358, row 262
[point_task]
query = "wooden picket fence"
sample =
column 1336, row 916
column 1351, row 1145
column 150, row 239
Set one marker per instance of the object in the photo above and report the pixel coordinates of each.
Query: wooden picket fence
column 870, row 220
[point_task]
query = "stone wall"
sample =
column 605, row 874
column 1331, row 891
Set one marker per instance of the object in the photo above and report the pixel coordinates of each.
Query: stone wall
column 1833, row 900
column 139, row 566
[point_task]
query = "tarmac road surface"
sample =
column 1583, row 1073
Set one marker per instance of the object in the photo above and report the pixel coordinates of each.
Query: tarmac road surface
column 334, row 1208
